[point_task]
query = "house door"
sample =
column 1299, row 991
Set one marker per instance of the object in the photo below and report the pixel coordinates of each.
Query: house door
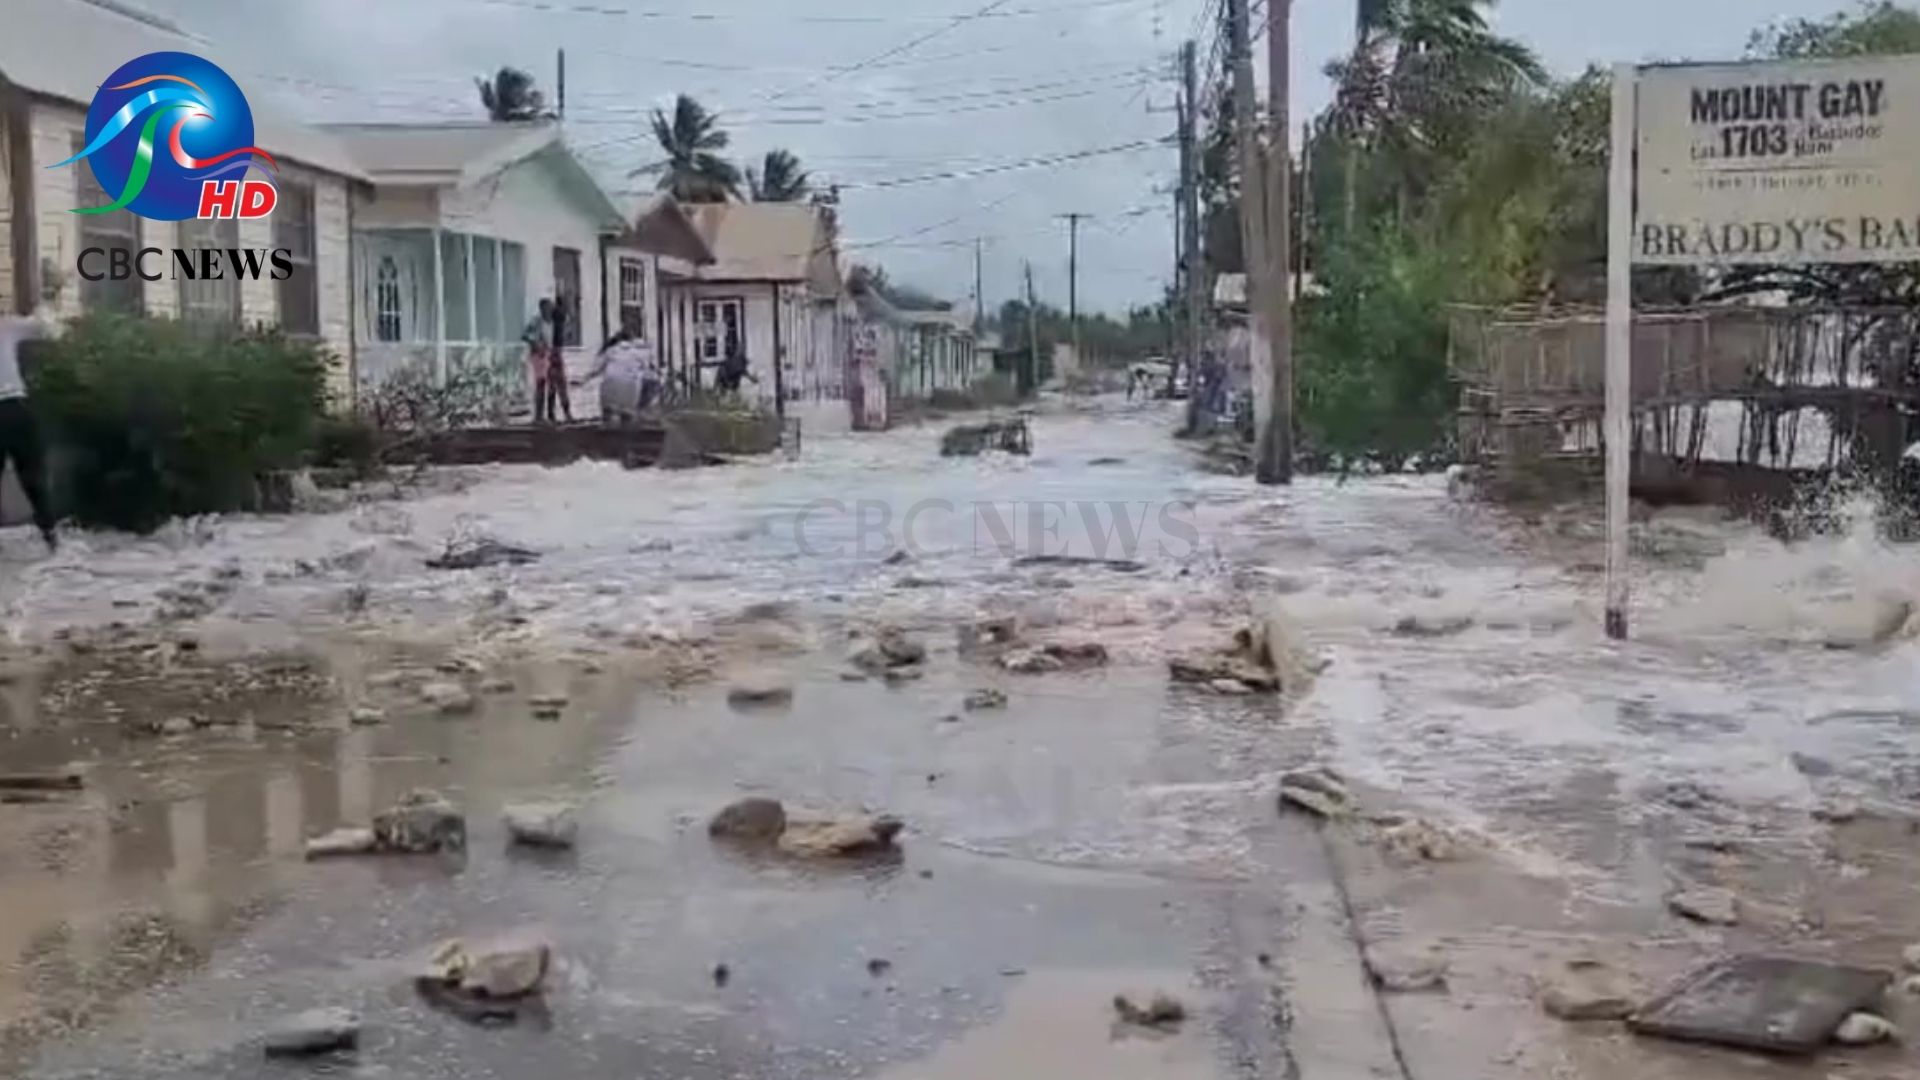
column 719, row 326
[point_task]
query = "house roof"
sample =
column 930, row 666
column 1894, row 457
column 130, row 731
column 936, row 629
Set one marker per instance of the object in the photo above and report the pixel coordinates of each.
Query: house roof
column 768, row 242
column 463, row 153
column 443, row 152
column 61, row 49
column 661, row 225
column 949, row 319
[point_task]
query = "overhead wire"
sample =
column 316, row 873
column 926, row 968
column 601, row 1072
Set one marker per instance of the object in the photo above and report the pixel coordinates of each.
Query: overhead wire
column 566, row 7
column 902, row 48
column 1036, row 162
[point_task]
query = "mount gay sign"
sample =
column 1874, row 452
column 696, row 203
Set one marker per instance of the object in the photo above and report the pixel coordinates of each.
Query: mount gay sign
column 1803, row 162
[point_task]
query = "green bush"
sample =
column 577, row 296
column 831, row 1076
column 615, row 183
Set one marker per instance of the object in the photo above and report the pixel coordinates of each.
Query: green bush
column 159, row 418
column 1373, row 351
column 350, row 441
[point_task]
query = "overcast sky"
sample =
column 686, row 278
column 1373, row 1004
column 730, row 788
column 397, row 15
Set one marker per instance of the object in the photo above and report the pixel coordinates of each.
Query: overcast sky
column 843, row 85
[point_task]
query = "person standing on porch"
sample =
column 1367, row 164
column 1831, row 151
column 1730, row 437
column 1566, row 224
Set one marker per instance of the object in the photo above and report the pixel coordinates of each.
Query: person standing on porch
column 539, row 336
column 557, row 364
column 19, row 437
column 628, row 381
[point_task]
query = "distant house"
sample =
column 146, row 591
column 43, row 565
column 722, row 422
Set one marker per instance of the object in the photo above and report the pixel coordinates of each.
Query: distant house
column 467, row 226
column 905, row 354
column 939, row 354
column 53, row 56
column 773, row 291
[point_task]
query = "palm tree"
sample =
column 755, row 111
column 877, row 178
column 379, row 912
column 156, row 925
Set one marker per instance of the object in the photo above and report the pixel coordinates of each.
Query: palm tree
column 779, row 179
column 510, row 95
column 1421, row 74
column 693, row 170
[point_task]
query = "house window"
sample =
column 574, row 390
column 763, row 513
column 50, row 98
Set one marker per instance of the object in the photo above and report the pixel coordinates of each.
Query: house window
column 717, row 328
column 294, row 231
column 386, row 300
column 455, row 298
column 566, row 294
column 210, row 301
column 633, row 297
column 119, row 229
column 487, row 324
column 513, row 290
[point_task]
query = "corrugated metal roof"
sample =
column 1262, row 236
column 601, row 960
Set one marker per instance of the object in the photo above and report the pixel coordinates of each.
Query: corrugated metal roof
column 768, row 242
column 63, row 48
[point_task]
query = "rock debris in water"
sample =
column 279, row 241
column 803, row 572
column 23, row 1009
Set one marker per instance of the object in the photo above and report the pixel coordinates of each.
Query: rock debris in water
column 1163, row 1012
column 318, row 1031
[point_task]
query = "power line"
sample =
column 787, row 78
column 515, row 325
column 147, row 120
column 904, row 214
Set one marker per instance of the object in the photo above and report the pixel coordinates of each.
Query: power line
column 1006, row 96
column 874, row 118
column 1047, row 161
column 564, row 7
column 906, row 46
column 954, row 220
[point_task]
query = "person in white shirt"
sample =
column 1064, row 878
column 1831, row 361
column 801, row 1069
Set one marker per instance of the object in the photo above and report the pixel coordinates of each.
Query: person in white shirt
column 19, row 437
column 628, row 381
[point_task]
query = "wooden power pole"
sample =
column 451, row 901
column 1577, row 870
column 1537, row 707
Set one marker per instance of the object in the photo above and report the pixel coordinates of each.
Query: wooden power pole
column 1253, row 220
column 1032, row 380
column 1192, row 267
column 1073, row 281
column 979, row 290
column 1273, row 455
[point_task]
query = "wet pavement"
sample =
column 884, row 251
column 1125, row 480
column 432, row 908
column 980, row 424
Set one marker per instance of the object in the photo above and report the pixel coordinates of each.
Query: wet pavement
column 1105, row 833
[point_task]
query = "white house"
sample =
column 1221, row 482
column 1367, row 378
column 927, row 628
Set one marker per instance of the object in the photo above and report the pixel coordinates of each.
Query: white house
column 467, row 226
column 53, row 56
column 939, row 354
column 773, row 291
column 661, row 245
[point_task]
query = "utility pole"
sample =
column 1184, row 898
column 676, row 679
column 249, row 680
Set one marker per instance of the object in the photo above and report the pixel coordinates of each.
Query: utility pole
column 1273, row 455
column 1305, row 217
column 1191, row 268
column 979, row 290
column 1033, row 340
column 561, row 83
column 1253, row 221
column 1073, row 281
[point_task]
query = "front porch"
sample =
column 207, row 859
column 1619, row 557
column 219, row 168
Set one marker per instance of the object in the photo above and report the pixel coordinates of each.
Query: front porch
column 443, row 309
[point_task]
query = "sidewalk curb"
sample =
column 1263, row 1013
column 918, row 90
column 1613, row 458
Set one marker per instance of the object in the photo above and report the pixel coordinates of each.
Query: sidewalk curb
column 1338, row 1028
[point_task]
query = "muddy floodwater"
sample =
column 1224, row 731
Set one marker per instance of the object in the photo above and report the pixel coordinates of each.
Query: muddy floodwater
column 1104, row 833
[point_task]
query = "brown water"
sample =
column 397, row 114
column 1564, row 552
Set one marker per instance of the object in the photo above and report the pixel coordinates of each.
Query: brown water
column 1104, row 833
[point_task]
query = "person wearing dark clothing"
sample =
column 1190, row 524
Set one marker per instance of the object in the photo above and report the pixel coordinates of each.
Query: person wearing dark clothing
column 729, row 373
column 540, row 339
column 19, row 437
column 557, row 365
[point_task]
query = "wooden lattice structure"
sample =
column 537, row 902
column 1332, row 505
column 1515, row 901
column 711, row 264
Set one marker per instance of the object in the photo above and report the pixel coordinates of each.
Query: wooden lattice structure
column 1762, row 388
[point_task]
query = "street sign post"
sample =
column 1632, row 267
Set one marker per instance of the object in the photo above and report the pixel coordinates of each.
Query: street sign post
column 1765, row 163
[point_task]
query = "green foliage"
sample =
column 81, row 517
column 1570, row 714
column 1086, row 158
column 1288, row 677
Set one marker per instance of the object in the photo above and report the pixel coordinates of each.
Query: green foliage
column 1449, row 170
column 1373, row 350
column 162, row 419
column 692, row 138
column 415, row 398
column 780, row 178
column 1105, row 340
column 1875, row 28
column 1521, row 207
column 510, row 95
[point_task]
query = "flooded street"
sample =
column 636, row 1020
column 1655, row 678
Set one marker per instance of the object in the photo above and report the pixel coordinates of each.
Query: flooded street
column 1104, row 833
